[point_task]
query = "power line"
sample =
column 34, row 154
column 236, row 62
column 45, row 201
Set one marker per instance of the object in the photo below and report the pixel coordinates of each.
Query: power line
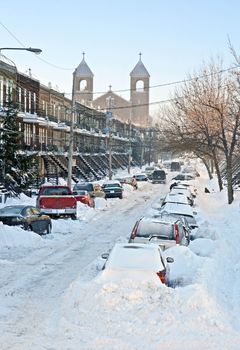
column 126, row 90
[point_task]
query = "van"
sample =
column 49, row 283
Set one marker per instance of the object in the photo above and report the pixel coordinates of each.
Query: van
column 158, row 177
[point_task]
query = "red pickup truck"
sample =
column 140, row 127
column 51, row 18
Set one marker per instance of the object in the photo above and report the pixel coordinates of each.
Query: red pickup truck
column 57, row 201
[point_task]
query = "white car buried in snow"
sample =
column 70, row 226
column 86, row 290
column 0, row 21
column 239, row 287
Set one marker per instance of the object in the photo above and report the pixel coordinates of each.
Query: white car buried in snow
column 136, row 261
column 181, row 210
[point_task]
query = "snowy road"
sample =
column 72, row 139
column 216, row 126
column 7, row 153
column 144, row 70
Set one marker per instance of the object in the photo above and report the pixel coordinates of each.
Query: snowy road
column 50, row 300
column 33, row 283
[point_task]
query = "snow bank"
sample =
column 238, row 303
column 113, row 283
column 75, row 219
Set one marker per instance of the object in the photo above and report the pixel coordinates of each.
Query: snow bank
column 203, row 247
column 184, row 269
column 13, row 236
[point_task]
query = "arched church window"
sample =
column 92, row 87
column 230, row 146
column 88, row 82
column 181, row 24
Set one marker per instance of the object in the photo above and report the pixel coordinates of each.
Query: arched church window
column 139, row 86
column 83, row 85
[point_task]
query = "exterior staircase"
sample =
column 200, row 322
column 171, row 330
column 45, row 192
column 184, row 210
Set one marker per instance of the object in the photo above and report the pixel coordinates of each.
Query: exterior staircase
column 61, row 163
column 51, row 170
column 84, row 160
column 97, row 166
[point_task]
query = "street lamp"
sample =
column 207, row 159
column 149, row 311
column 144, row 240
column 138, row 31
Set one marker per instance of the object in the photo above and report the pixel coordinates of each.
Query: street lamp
column 31, row 49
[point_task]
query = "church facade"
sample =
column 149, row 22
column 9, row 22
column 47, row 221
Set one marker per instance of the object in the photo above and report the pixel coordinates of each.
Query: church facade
column 134, row 111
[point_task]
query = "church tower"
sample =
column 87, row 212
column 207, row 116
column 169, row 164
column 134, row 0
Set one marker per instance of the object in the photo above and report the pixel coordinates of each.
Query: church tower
column 139, row 84
column 83, row 83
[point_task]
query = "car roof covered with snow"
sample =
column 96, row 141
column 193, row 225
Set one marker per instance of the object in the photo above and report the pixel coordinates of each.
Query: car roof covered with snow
column 176, row 208
column 176, row 198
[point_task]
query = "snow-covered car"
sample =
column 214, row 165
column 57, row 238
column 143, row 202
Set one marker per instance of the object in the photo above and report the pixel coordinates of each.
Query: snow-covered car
column 143, row 262
column 165, row 233
column 184, row 177
column 181, row 210
column 182, row 190
column 190, row 170
column 26, row 216
column 176, row 198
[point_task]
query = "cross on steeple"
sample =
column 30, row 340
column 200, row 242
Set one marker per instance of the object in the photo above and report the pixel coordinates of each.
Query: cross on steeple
column 83, row 53
column 140, row 56
column 110, row 87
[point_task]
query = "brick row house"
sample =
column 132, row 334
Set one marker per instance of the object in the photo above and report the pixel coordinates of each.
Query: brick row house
column 45, row 117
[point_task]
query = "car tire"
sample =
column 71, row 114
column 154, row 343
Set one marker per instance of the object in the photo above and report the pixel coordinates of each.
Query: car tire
column 74, row 217
column 121, row 196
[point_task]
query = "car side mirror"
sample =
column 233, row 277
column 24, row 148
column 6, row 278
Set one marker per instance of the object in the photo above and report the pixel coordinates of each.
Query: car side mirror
column 170, row 260
column 105, row 255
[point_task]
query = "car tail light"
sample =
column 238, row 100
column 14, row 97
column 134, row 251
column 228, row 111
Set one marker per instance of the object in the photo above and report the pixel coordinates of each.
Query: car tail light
column 134, row 231
column 176, row 229
column 161, row 275
column 41, row 205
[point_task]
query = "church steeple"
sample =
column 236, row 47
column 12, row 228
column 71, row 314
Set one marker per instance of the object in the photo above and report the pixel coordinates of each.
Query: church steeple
column 83, row 83
column 139, row 85
column 139, row 70
column 83, row 70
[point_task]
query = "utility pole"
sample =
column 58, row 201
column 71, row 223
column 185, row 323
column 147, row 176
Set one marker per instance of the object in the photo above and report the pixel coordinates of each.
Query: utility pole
column 71, row 135
column 130, row 144
column 108, row 122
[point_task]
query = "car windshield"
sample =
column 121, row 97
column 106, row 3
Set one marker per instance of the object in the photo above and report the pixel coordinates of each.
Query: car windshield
column 146, row 229
column 11, row 210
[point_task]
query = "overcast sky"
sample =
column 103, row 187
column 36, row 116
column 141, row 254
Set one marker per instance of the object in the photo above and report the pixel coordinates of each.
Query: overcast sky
column 174, row 36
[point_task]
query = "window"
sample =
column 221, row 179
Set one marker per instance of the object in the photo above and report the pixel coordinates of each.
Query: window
column 140, row 86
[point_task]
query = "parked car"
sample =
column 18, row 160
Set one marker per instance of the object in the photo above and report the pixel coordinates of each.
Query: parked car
column 184, row 177
column 185, row 188
column 181, row 210
column 112, row 189
column 172, row 197
column 26, row 216
column 175, row 166
column 191, row 170
column 141, row 177
column 158, row 177
column 149, row 170
column 166, row 233
column 171, row 218
column 178, row 190
column 84, row 197
column 144, row 262
column 57, row 201
column 84, row 186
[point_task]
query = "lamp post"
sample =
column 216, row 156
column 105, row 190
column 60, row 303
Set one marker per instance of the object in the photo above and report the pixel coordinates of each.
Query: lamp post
column 31, row 49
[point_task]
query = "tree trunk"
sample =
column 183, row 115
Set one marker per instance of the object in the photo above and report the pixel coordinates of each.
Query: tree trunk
column 208, row 168
column 220, row 184
column 229, row 180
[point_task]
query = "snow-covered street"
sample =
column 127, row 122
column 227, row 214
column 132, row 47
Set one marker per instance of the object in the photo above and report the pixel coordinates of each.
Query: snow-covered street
column 53, row 299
